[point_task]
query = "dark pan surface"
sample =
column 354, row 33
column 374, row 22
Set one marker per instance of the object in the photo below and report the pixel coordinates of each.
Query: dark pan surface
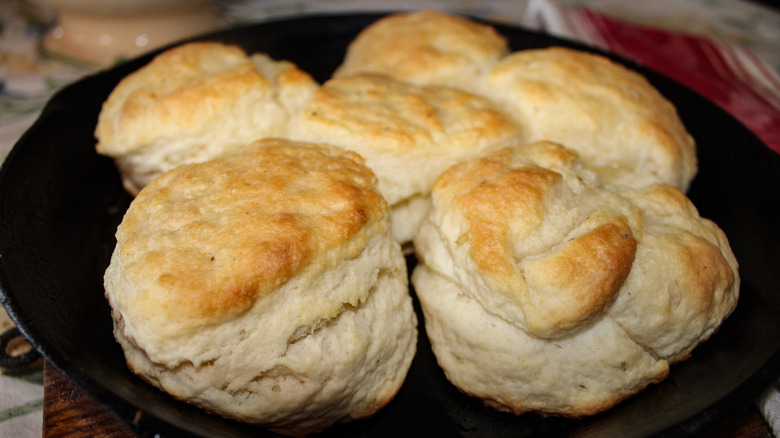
column 60, row 204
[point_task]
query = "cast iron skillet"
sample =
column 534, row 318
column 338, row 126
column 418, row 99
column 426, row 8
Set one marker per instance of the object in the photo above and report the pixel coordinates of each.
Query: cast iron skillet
column 60, row 204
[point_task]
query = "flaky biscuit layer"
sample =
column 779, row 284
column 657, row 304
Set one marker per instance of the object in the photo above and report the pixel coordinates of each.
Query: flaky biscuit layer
column 425, row 48
column 618, row 123
column 407, row 134
column 265, row 286
column 193, row 103
column 550, row 262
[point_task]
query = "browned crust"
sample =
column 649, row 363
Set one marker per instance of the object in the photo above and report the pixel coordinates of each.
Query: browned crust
column 205, row 241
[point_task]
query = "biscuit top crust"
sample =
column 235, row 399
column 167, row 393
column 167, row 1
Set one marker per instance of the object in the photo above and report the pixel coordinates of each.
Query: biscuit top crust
column 184, row 90
column 504, row 200
column 425, row 47
column 618, row 123
column 539, row 240
column 205, row 241
column 407, row 134
column 688, row 281
column 402, row 118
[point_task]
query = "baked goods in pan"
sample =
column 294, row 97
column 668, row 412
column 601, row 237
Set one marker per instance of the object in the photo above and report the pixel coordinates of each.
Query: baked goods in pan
column 561, row 267
column 425, row 48
column 265, row 286
column 546, row 290
column 193, row 102
column 407, row 134
column 612, row 116
column 618, row 123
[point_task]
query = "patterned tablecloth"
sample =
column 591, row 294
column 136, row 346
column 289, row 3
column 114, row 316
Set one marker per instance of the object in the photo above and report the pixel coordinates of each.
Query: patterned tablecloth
column 732, row 50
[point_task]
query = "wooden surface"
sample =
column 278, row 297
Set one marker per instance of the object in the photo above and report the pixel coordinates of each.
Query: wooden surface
column 68, row 412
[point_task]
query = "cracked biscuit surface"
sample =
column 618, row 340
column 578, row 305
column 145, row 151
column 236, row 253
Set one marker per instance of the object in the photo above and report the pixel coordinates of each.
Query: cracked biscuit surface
column 407, row 134
column 193, row 102
column 618, row 123
column 425, row 48
column 265, row 286
column 573, row 294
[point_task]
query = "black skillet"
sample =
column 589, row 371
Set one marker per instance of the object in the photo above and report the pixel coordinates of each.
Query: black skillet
column 60, row 204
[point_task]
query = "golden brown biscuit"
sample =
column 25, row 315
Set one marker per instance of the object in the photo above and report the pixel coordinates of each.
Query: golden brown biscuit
column 545, row 290
column 265, row 286
column 407, row 134
column 620, row 125
column 193, row 102
column 425, row 48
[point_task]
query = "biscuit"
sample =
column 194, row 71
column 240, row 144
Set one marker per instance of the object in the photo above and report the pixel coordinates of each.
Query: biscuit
column 265, row 286
column 425, row 48
column 193, row 102
column 618, row 123
column 573, row 294
column 407, row 134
